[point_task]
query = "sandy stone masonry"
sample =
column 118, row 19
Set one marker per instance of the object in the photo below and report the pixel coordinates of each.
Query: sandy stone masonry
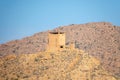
column 56, row 42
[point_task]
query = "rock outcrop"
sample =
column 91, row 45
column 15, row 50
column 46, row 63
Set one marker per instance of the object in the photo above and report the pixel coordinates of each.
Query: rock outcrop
column 100, row 39
column 63, row 65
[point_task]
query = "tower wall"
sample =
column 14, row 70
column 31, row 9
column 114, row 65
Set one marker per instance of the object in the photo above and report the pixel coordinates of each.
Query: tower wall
column 56, row 41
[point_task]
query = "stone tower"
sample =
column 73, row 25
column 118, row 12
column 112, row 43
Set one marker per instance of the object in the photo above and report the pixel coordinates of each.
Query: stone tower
column 56, row 41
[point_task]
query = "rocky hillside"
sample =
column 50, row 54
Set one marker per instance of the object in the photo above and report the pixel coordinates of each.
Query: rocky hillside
column 64, row 65
column 100, row 39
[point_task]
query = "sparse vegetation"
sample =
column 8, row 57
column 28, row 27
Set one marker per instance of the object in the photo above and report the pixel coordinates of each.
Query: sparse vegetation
column 37, row 59
column 68, row 65
column 104, row 37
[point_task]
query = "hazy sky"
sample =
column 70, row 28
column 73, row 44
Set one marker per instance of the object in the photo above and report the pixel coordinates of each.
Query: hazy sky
column 20, row 18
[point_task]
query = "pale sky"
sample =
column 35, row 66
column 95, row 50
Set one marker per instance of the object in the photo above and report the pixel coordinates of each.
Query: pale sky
column 21, row 18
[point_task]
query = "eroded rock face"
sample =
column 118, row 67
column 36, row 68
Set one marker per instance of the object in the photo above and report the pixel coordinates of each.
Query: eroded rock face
column 100, row 39
column 63, row 65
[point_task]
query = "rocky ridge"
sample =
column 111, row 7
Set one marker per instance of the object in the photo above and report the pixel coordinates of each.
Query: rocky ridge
column 63, row 65
column 99, row 39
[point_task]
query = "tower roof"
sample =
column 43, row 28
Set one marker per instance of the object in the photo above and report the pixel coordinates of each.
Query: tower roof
column 56, row 32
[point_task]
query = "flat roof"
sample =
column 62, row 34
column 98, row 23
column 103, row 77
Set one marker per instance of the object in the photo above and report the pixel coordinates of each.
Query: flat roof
column 56, row 32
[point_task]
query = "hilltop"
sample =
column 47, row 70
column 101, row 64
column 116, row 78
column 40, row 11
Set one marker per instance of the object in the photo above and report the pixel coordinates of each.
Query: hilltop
column 99, row 39
column 62, row 65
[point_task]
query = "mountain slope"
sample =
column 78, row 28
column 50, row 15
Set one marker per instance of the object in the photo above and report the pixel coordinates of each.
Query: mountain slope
column 100, row 39
column 64, row 65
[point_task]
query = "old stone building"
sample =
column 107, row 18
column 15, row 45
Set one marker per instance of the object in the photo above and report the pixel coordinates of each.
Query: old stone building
column 56, row 41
